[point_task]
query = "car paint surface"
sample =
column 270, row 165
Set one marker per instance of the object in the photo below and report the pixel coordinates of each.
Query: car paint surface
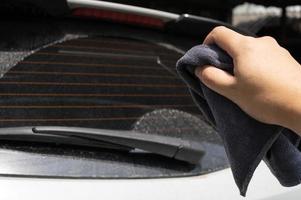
column 217, row 185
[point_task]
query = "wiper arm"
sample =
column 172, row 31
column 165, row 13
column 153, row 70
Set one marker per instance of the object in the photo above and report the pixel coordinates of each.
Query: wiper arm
column 26, row 134
column 177, row 148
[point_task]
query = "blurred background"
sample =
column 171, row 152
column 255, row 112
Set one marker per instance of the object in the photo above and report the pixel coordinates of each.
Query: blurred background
column 278, row 18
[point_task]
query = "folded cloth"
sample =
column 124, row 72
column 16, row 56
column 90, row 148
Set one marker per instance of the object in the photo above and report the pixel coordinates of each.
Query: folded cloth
column 246, row 140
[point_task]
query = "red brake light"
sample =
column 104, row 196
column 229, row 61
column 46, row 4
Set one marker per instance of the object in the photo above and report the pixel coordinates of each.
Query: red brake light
column 118, row 17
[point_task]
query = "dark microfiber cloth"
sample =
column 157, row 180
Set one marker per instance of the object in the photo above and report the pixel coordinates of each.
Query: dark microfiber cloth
column 246, row 140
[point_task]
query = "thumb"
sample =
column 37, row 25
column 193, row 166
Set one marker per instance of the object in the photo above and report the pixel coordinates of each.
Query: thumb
column 216, row 79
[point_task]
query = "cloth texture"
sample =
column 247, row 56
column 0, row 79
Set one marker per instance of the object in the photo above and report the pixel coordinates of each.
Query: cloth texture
column 246, row 140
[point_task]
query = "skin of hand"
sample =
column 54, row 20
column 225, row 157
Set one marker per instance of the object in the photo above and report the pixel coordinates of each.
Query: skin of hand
column 267, row 80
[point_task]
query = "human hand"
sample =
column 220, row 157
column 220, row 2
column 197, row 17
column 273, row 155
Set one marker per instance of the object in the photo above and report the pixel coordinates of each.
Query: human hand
column 267, row 80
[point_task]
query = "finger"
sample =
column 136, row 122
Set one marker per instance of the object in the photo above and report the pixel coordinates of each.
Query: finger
column 226, row 39
column 216, row 79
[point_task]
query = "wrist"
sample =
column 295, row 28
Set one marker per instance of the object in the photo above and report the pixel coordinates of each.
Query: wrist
column 290, row 116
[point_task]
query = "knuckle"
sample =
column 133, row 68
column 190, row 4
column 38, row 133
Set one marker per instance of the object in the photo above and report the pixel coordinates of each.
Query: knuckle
column 269, row 39
column 284, row 51
column 218, row 29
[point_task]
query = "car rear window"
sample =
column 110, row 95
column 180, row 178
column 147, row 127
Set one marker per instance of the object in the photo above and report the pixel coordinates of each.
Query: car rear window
column 104, row 82
column 92, row 82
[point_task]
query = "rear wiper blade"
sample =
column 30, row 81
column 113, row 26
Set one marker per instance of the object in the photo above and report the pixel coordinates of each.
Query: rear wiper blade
column 26, row 134
column 177, row 148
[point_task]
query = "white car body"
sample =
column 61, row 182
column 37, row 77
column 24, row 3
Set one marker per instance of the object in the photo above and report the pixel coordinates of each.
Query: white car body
column 213, row 186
